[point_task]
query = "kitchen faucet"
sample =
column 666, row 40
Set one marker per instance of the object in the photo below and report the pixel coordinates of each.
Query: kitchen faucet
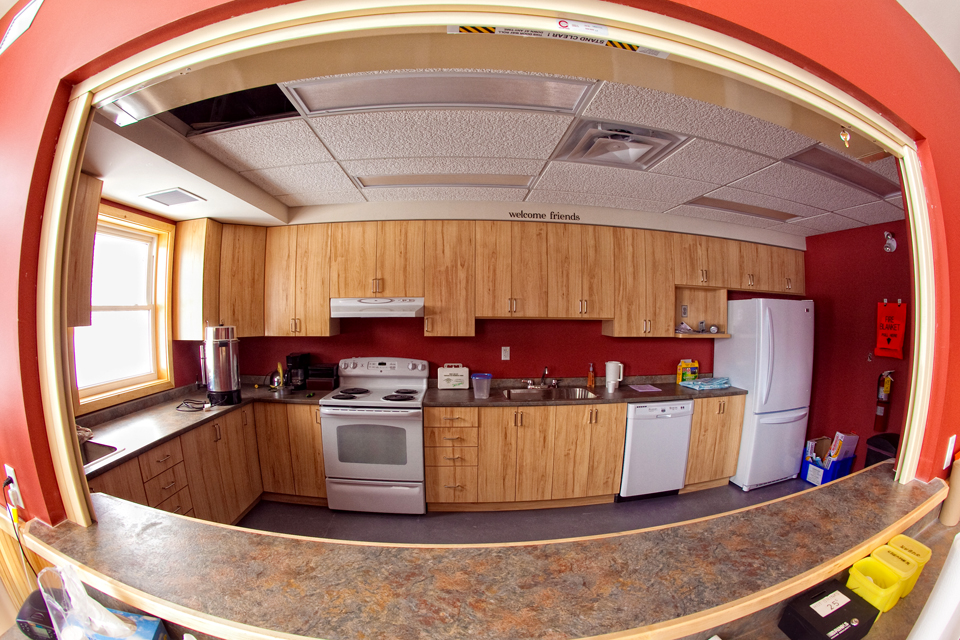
column 543, row 382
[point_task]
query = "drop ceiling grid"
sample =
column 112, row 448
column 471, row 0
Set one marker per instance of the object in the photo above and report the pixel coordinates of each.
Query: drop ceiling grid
column 442, row 165
column 711, row 162
column 427, row 194
column 264, row 146
column 627, row 183
column 827, row 222
column 323, row 176
column 761, row 200
column 597, row 200
column 873, row 213
column 803, row 186
column 706, row 213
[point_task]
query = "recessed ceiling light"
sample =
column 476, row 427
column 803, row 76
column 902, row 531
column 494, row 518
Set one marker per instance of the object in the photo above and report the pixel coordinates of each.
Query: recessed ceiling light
column 409, row 90
column 838, row 167
column 739, row 207
column 170, row 197
column 618, row 145
column 446, row 180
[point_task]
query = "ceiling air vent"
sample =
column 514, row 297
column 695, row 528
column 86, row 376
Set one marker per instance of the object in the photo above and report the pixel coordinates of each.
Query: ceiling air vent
column 170, row 197
column 618, row 145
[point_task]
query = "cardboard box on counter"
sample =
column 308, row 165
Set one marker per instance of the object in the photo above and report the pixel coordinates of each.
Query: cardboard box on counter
column 820, row 465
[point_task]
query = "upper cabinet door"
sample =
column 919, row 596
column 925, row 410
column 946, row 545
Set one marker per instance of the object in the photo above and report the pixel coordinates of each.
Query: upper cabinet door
column 688, row 265
column 450, row 264
column 788, row 276
column 196, row 278
column 242, row 252
column 313, row 282
column 353, row 259
column 564, row 271
column 630, row 290
column 400, row 259
column 279, row 290
column 720, row 259
column 659, row 277
column 529, row 269
column 494, row 291
column 598, row 271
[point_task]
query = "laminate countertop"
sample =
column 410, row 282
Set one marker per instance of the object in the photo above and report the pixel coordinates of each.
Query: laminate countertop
column 678, row 579
column 138, row 431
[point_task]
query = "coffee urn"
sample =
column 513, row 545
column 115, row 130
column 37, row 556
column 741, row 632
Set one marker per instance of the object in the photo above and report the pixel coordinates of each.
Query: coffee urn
column 219, row 363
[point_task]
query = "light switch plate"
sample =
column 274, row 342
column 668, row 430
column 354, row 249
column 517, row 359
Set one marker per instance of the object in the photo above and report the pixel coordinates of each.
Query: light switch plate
column 950, row 445
column 504, row 353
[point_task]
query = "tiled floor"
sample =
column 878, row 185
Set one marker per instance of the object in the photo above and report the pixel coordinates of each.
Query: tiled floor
column 508, row 526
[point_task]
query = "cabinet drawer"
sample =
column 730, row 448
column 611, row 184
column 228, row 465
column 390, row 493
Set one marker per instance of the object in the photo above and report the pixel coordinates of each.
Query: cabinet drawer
column 165, row 485
column 451, row 484
column 450, row 436
column 178, row 503
column 160, row 458
column 450, row 417
column 450, row 456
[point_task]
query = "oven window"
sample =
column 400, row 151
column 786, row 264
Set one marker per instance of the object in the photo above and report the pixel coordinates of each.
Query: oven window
column 372, row 444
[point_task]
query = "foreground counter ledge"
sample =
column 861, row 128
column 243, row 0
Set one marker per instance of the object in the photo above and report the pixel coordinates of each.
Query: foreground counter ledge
column 672, row 581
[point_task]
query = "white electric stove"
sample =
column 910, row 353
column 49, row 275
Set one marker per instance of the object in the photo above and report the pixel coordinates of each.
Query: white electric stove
column 372, row 429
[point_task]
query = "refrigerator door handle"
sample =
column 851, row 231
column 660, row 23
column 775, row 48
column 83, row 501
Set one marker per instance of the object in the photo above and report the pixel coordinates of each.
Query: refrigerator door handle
column 785, row 419
column 768, row 330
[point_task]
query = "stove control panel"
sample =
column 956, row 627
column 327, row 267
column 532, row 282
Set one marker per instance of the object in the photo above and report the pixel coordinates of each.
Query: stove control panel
column 397, row 367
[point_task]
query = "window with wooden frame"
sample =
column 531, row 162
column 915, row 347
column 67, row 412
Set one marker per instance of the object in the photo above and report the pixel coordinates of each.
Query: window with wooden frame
column 126, row 352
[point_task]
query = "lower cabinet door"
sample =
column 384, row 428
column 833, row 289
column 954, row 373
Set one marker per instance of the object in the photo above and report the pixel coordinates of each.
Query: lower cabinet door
column 497, row 455
column 535, row 453
column 306, row 450
column 202, row 462
column 239, row 464
column 451, row 484
column 273, row 439
column 588, row 450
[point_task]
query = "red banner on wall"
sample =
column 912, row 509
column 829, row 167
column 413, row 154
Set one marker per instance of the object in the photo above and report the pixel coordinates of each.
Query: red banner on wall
column 891, row 325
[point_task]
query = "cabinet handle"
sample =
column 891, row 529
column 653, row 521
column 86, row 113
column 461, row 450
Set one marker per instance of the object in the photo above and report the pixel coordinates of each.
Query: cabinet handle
column 452, row 417
column 293, row 325
column 426, row 324
column 164, row 458
column 172, row 484
column 581, row 306
column 373, row 286
column 515, row 419
column 452, row 486
column 243, row 417
column 453, row 458
column 514, row 305
column 585, row 306
column 177, row 510
column 318, row 416
column 521, row 418
column 789, row 283
column 217, row 427
column 458, row 437
column 298, row 326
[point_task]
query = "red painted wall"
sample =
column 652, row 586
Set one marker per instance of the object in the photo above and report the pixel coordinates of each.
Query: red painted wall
column 875, row 51
column 847, row 274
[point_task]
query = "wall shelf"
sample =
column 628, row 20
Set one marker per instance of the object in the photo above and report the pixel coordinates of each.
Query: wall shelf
column 702, row 335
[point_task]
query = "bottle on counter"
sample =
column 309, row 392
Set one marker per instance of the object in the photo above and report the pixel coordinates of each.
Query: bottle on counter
column 591, row 378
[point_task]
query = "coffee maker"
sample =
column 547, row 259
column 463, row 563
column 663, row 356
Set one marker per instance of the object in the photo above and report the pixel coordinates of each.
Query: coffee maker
column 219, row 357
column 297, row 366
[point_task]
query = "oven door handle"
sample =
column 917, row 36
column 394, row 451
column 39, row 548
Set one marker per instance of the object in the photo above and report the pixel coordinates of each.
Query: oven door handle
column 385, row 413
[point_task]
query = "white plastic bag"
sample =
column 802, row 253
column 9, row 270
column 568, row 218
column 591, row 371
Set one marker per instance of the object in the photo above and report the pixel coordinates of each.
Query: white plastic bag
column 74, row 613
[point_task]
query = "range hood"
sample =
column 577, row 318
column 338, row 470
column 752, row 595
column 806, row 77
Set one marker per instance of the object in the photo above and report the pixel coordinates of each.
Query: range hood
column 376, row 307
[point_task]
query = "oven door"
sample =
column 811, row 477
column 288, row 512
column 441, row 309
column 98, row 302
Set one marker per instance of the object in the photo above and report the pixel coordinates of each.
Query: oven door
column 372, row 444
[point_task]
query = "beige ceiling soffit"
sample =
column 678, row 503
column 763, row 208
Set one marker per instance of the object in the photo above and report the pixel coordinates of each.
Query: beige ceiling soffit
column 648, row 30
column 446, row 180
column 745, row 209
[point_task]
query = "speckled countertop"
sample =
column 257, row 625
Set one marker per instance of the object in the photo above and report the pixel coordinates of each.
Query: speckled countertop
column 565, row 589
column 137, row 431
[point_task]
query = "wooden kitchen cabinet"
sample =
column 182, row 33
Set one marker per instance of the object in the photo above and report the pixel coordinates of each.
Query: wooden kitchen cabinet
column 580, row 271
column 196, row 278
column 80, row 236
column 242, row 253
column 512, row 269
column 122, row 482
column 714, row 441
column 298, row 305
column 755, row 267
column 449, row 278
column 273, row 439
column 451, row 454
column 377, row 259
column 643, row 284
column 515, row 457
column 588, row 450
column 702, row 261
column 788, row 271
column 306, row 450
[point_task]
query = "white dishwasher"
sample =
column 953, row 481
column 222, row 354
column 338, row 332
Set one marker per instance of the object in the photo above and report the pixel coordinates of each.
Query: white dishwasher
column 655, row 453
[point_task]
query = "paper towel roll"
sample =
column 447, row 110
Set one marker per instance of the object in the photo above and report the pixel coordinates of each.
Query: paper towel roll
column 940, row 618
column 950, row 511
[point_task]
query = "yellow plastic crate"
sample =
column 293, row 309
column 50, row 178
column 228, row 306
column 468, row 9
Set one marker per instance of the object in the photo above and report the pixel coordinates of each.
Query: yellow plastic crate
column 898, row 561
column 920, row 553
column 875, row 582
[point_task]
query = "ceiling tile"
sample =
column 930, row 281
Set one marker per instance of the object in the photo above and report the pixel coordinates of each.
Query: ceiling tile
column 722, row 216
column 873, row 213
column 321, row 197
column 442, row 132
column 408, row 166
column 625, row 183
column 896, row 201
column 768, row 202
column 263, row 146
column 473, row 194
column 711, row 162
column 325, row 176
column 805, row 187
column 887, row 168
column 658, row 110
column 828, row 222
column 597, row 200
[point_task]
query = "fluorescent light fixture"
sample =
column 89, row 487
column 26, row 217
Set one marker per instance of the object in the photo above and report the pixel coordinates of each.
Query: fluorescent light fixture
column 739, row 207
column 171, row 197
column 838, row 167
column 446, row 180
column 20, row 23
column 411, row 90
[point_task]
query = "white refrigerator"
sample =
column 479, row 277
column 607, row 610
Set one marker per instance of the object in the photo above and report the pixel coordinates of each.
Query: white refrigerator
column 770, row 354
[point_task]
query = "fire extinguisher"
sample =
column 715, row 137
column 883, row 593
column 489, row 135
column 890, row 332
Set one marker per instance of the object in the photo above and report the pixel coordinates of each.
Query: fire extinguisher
column 884, row 386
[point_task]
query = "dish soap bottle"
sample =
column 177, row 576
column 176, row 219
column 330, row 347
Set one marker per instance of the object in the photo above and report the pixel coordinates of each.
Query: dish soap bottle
column 591, row 378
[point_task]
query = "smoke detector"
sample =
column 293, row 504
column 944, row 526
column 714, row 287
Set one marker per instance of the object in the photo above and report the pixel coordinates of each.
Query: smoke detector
column 618, row 145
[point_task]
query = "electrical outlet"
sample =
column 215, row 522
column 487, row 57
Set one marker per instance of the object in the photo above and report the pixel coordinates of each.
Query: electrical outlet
column 950, row 445
column 14, row 489
column 683, row 311
column 504, row 353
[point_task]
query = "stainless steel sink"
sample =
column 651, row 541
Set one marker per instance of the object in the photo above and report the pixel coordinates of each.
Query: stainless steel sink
column 561, row 393
column 93, row 451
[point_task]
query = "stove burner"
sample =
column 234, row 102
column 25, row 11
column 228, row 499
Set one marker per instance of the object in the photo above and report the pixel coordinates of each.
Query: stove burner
column 407, row 392
column 397, row 397
column 344, row 396
column 353, row 391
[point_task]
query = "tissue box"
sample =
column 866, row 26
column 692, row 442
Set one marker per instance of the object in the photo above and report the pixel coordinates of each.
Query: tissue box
column 148, row 627
column 453, row 375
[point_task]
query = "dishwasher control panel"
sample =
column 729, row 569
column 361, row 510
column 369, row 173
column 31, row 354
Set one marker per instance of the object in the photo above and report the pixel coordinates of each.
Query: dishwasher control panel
column 654, row 409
